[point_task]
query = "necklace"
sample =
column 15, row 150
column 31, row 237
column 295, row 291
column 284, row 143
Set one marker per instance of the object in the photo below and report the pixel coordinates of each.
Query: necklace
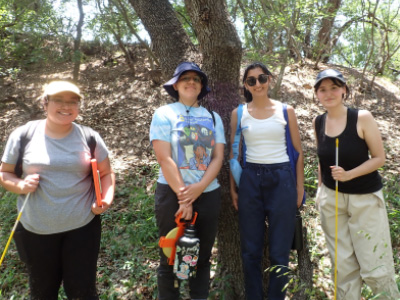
column 188, row 108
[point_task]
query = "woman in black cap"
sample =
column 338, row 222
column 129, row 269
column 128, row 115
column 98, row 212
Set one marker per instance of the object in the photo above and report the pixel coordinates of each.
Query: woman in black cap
column 188, row 141
column 364, row 248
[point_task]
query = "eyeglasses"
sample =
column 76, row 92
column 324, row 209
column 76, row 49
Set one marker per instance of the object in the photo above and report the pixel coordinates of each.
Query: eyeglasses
column 252, row 81
column 196, row 79
column 60, row 102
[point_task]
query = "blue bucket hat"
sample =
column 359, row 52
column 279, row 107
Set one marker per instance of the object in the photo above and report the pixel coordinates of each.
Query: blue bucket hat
column 184, row 67
column 329, row 73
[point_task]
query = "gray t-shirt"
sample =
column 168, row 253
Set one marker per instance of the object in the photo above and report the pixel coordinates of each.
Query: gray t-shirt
column 64, row 196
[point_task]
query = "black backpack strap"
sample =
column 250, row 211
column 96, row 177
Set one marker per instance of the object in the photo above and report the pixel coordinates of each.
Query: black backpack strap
column 318, row 124
column 91, row 142
column 90, row 139
column 212, row 115
column 25, row 138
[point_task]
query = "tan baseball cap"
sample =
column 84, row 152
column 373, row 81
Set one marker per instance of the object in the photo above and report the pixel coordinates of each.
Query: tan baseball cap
column 56, row 87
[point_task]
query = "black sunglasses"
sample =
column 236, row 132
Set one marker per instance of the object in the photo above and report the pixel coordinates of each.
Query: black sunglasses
column 252, row 81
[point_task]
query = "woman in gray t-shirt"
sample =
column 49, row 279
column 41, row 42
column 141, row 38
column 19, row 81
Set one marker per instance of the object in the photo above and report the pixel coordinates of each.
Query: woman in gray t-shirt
column 58, row 236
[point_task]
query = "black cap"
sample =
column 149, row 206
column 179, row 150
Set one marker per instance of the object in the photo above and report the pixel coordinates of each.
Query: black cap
column 184, row 67
column 329, row 73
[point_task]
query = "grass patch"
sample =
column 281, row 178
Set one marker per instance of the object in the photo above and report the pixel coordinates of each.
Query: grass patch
column 129, row 247
column 13, row 278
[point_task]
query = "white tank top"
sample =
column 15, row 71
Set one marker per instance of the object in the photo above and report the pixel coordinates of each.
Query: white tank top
column 265, row 139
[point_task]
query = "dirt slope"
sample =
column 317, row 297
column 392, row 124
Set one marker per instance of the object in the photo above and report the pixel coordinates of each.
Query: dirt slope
column 120, row 106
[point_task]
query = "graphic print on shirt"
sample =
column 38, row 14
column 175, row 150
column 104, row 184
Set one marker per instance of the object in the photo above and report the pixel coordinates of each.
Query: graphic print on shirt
column 196, row 141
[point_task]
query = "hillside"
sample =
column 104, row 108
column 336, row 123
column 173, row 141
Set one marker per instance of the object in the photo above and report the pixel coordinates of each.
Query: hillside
column 120, row 106
column 116, row 102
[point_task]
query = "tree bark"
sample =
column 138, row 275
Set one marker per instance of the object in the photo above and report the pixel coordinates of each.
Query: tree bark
column 221, row 50
column 305, row 270
column 171, row 44
column 323, row 48
column 77, row 43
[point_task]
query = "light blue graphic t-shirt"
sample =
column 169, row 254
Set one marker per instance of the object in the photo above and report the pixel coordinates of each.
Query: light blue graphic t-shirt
column 192, row 136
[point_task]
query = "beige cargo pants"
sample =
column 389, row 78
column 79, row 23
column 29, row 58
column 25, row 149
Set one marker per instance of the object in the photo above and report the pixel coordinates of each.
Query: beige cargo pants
column 364, row 245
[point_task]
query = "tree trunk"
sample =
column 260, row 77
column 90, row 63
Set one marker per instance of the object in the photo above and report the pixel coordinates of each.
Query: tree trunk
column 171, row 44
column 121, row 45
column 323, row 48
column 305, row 270
column 122, row 9
column 221, row 49
column 372, row 43
column 250, row 25
column 117, row 32
column 307, row 43
column 77, row 43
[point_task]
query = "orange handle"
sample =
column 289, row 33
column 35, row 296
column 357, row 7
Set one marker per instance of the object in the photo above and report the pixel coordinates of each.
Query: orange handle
column 97, row 182
column 171, row 242
column 183, row 223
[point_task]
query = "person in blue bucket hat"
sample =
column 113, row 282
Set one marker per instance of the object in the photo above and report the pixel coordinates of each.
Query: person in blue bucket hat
column 182, row 68
column 188, row 141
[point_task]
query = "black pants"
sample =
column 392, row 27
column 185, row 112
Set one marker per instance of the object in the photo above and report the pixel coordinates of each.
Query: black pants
column 207, row 206
column 69, row 257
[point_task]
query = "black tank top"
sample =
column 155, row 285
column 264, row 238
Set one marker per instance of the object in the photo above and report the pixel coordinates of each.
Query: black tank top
column 353, row 151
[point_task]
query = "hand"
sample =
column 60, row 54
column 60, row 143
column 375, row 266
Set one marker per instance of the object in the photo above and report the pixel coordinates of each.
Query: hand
column 338, row 173
column 29, row 184
column 97, row 210
column 188, row 194
column 235, row 199
column 186, row 210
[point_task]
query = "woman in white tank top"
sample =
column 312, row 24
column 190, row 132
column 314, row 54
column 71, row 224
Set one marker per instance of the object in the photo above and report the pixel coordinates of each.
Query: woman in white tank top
column 268, row 188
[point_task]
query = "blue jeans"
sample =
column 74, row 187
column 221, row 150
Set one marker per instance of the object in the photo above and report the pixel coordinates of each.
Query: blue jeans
column 207, row 206
column 266, row 191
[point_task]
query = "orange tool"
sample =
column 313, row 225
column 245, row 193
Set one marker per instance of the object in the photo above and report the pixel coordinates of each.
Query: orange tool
column 97, row 182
